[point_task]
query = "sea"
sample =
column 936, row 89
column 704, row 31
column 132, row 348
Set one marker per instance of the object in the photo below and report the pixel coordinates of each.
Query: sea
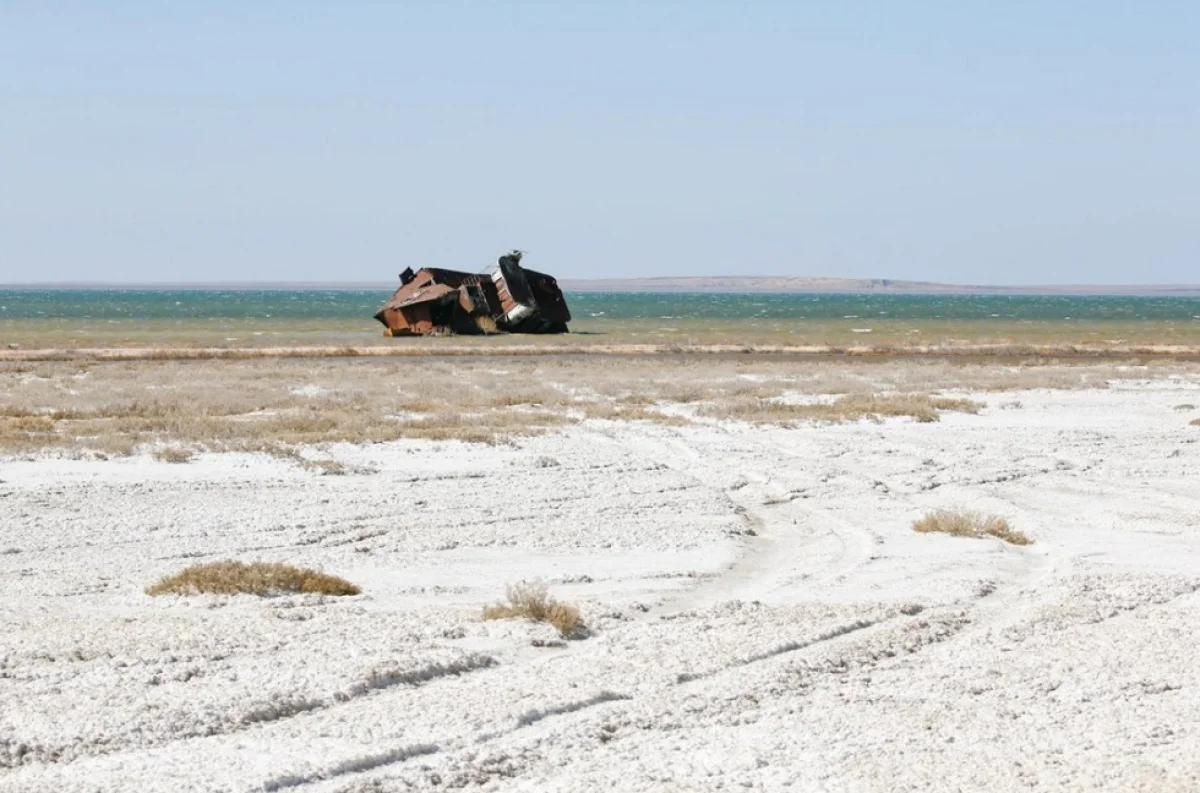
column 272, row 317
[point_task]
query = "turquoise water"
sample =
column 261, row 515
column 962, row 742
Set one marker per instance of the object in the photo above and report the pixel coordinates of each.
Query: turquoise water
column 271, row 318
column 343, row 306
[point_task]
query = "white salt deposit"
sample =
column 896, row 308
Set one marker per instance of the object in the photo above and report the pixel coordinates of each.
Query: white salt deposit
column 763, row 617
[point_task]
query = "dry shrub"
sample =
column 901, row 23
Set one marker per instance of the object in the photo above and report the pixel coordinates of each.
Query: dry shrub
column 27, row 431
column 255, row 578
column 1195, row 422
column 1185, row 406
column 527, row 396
column 174, row 454
column 328, row 467
column 685, row 393
column 958, row 405
column 325, row 467
column 964, row 523
column 532, row 600
column 635, row 399
column 615, row 411
column 853, row 408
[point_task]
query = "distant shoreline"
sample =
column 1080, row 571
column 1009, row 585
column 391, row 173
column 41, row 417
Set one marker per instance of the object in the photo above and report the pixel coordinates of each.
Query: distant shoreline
column 695, row 284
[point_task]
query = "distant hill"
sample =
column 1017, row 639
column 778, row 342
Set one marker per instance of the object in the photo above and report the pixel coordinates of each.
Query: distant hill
column 243, row 286
column 717, row 283
column 749, row 283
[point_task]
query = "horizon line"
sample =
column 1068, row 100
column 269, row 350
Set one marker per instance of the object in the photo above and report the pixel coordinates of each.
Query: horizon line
column 661, row 284
column 674, row 283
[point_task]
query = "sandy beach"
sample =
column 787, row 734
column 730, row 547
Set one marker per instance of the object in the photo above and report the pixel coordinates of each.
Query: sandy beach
column 760, row 613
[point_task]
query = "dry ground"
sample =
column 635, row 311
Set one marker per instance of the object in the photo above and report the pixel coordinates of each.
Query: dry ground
column 175, row 408
column 735, row 533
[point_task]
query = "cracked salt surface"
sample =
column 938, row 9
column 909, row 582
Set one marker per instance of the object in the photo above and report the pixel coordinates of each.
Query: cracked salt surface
column 762, row 615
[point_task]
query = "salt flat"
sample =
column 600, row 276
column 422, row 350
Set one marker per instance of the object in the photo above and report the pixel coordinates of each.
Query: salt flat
column 762, row 615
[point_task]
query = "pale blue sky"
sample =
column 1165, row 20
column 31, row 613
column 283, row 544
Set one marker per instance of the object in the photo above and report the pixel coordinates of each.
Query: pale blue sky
column 969, row 142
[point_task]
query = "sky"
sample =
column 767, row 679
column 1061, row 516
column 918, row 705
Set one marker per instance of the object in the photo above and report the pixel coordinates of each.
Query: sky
column 964, row 142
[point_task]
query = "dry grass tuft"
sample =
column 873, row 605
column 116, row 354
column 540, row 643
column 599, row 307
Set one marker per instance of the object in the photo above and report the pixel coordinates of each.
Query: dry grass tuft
column 530, row 599
column 958, row 405
column 621, row 412
column 1195, row 422
column 1185, row 406
column 328, row 467
column 964, row 523
column 174, row 454
column 256, row 578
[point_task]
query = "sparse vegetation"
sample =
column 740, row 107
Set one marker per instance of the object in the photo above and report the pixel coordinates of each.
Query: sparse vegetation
column 958, row 405
column 965, row 523
column 852, row 407
column 532, row 600
column 282, row 405
column 328, row 467
column 255, row 578
column 174, row 454
column 255, row 406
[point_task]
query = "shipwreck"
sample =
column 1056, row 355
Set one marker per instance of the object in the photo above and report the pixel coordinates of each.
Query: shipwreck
column 507, row 298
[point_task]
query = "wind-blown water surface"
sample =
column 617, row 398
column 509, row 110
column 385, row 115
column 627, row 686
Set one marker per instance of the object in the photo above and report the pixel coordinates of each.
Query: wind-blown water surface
column 270, row 317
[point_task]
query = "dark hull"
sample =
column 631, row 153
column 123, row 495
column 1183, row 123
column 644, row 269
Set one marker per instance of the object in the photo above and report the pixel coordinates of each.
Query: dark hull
column 508, row 299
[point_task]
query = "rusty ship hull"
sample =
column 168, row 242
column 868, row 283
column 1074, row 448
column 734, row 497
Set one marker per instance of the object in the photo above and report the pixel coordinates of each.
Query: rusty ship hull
column 508, row 298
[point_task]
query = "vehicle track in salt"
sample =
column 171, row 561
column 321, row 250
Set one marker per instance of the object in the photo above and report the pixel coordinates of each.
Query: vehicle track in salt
column 799, row 551
column 1000, row 598
column 790, row 549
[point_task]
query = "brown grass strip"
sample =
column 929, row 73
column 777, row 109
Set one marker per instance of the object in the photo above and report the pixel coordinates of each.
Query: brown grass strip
column 282, row 407
column 255, row 578
column 853, row 407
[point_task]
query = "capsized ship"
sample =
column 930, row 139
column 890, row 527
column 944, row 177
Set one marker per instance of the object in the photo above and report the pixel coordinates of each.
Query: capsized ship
column 507, row 298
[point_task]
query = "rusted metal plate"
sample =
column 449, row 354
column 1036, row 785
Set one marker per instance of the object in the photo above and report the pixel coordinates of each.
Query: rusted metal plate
column 507, row 298
column 434, row 293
